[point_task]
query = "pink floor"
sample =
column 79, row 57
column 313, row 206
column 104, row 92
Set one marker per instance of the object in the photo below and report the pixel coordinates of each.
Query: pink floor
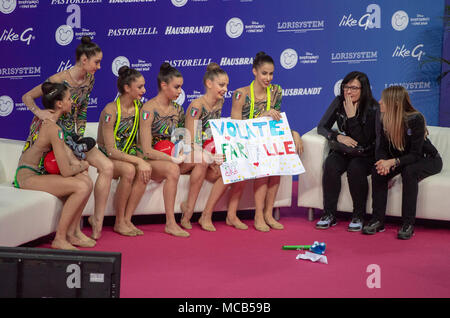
column 233, row 263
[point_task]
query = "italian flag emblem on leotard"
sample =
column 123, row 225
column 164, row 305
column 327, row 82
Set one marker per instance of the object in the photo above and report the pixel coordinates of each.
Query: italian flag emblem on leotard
column 60, row 134
column 145, row 115
column 237, row 96
column 107, row 118
column 194, row 111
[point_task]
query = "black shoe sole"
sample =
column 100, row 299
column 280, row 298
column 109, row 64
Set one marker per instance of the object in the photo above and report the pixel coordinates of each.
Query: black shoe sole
column 372, row 233
column 405, row 236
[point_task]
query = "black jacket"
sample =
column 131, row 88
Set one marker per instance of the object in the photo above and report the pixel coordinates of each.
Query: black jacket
column 416, row 146
column 360, row 127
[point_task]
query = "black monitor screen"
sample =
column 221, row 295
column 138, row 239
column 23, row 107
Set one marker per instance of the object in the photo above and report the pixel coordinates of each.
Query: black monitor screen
column 38, row 272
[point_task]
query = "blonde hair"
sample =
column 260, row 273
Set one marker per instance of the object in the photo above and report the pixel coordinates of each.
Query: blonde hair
column 212, row 71
column 398, row 107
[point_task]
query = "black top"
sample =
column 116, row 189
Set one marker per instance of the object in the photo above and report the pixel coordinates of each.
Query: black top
column 416, row 146
column 360, row 127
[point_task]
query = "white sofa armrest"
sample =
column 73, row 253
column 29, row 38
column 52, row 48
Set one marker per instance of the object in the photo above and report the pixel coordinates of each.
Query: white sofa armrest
column 315, row 151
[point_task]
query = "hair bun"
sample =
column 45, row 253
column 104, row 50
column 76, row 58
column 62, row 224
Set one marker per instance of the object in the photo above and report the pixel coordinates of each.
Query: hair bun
column 260, row 54
column 86, row 40
column 261, row 58
column 123, row 70
column 47, row 87
column 52, row 92
column 212, row 67
column 165, row 67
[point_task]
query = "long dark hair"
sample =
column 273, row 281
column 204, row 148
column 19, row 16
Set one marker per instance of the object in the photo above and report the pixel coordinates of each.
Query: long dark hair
column 52, row 93
column 366, row 99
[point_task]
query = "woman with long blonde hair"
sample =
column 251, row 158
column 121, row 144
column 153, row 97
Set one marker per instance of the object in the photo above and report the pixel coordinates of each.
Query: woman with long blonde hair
column 403, row 148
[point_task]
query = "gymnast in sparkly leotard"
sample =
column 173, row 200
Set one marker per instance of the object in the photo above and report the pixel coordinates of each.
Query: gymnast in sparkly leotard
column 160, row 116
column 80, row 79
column 164, row 125
column 117, row 139
column 260, row 98
column 72, row 185
column 208, row 106
column 73, row 122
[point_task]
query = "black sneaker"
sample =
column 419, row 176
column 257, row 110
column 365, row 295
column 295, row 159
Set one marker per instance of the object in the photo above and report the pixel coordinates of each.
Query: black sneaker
column 405, row 232
column 355, row 225
column 326, row 221
column 373, row 227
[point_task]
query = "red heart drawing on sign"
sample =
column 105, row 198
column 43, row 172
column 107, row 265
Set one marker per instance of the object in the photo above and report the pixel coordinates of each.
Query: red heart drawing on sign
column 227, row 138
column 256, row 164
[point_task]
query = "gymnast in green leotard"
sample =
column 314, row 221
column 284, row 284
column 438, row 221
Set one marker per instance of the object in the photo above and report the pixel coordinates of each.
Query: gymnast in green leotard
column 73, row 184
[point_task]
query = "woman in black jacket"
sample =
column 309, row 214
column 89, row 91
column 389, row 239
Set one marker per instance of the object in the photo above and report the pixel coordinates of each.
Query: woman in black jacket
column 402, row 147
column 354, row 110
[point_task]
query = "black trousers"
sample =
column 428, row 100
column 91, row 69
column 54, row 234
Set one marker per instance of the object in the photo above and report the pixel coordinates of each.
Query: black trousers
column 411, row 175
column 358, row 168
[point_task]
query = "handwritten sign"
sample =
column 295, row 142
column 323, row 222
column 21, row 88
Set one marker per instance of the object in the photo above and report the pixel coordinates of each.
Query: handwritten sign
column 255, row 148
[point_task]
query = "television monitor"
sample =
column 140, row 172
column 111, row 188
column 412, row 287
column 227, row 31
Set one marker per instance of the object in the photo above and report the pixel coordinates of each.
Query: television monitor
column 40, row 273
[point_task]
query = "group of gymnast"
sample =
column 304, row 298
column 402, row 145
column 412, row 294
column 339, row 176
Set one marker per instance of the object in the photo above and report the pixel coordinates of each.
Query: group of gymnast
column 128, row 131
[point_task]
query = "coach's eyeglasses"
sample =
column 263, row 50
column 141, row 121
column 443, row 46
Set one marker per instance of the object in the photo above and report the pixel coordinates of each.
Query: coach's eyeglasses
column 350, row 88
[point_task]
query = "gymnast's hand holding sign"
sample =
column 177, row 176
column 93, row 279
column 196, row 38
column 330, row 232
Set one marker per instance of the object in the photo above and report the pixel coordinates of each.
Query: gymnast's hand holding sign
column 255, row 148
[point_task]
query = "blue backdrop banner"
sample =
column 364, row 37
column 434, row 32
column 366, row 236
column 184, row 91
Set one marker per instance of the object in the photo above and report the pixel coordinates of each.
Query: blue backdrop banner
column 314, row 45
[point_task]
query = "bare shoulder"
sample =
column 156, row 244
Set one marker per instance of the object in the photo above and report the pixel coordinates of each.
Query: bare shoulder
column 59, row 77
column 49, row 127
column 149, row 105
column 110, row 107
column 241, row 92
column 196, row 103
column 195, row 109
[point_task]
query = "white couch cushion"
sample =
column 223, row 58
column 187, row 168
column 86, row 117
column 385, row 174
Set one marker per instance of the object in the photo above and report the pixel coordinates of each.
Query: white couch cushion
column 153, row 201
column 26, row 215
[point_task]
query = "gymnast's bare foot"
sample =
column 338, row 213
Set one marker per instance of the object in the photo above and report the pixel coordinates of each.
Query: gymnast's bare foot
column 260, row 224
column 79, row 239
column 236, row 223
column 185, row 216
column 206, row 224
column 134, row 228
column 175, row 230
column 273, row 223
column 96, row 227
column 63, row 245
column 124, row 229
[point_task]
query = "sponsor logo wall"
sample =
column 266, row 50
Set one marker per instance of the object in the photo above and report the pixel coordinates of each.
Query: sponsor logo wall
column 314, row 45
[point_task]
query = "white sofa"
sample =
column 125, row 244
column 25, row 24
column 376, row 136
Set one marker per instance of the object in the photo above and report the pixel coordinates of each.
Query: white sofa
column 433, row 198
column 26, row 215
